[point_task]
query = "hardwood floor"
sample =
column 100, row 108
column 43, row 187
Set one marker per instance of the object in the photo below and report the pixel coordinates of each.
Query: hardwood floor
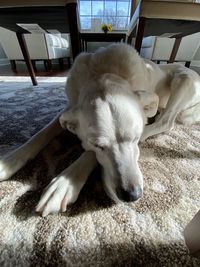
column 5, row 70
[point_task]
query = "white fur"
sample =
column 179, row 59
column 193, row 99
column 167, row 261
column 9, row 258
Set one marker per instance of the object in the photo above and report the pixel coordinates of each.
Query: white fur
column 112, row 93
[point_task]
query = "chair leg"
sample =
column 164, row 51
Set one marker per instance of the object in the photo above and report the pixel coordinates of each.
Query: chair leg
column 49, row 64
column 13, row 65
column 187, row 64
column 140, row 34
column 34, row 65
column 72, row 13
column 26, row 56
column 82, row 44
column 129, row 39
column 45, row 65
column 175, row 49
column 85, row 46
column 61, row 63
column 69, row 62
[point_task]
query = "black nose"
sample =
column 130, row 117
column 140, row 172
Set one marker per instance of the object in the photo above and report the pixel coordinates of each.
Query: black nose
column 129, row 196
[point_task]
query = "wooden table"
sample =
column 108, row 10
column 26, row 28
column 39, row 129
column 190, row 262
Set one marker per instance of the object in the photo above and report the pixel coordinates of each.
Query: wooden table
column 101, row 37
column 60, row 15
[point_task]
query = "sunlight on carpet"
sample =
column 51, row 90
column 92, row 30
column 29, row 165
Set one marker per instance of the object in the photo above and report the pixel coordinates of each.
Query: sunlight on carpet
column 94, row 231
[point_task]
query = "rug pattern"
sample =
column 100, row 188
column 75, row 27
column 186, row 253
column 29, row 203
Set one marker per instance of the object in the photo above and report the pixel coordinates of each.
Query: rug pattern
column 94, row 231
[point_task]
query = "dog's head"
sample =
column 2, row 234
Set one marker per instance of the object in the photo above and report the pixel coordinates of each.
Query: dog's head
column 109, row 120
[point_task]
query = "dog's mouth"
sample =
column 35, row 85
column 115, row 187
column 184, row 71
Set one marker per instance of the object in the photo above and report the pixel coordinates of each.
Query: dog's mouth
column 123, row 185
column 121, row 195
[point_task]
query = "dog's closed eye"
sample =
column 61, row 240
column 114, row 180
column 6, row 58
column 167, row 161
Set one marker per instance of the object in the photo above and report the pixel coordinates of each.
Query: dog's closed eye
column 130, row 139
column 99, row 147
column 136, row 139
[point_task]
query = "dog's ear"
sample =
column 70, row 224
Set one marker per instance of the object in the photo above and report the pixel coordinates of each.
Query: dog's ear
column 149, row 102
column 69, row 120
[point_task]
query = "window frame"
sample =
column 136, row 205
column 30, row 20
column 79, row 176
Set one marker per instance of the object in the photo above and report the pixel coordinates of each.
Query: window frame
column 103, row 16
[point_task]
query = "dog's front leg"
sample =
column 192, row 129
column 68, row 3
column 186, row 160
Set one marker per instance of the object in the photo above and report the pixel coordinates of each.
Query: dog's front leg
column 65, row 188
column 18, row 158
column 183, row 92
column 163, row 123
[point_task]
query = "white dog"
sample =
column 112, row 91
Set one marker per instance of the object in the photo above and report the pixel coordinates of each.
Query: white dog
column 112, row 93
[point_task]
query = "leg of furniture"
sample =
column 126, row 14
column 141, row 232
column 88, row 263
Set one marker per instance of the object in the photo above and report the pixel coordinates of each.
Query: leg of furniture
column 34, row 65
column 69, row 62
column 72, row 14
column 82, row 45
column 26, row 56
column 140, row 33
column 13, row 65
column 49, row 64
column 129, row 39
column 187, row 64
column 177, row 43
column 45, row 65
column 61, row 63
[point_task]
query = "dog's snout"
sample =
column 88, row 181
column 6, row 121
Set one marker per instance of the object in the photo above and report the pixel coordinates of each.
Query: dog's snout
column 129, row 195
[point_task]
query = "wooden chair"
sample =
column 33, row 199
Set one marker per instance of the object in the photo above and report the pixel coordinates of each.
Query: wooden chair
column 170, row 18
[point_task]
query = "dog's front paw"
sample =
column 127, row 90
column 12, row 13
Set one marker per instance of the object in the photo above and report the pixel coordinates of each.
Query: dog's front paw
column 59, row 193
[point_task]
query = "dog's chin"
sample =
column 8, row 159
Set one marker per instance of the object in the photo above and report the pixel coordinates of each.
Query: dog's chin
column 111, row 194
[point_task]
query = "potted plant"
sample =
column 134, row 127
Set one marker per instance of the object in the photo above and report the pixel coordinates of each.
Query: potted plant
column 106, row 28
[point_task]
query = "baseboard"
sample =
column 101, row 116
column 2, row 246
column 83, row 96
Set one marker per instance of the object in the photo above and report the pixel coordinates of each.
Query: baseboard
column 4, row 61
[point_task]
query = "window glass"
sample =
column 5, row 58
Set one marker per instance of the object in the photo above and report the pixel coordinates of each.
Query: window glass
column 114, row 12
column 110, row 6
column 121, row 22
column 85, row 23
column 97, row 8
column 122, row 8
column 85, row 8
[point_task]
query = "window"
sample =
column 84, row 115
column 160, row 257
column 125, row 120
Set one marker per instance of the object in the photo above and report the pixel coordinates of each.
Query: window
column 114, row 12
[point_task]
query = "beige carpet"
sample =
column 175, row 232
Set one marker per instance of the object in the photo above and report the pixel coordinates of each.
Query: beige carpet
column 94, row 231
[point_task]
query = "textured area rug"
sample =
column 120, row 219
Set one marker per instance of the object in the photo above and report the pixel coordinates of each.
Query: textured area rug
column 94, row 231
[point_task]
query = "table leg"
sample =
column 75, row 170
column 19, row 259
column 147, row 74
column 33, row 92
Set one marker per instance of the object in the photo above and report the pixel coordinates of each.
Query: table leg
column 140, row 33
column 82, row 45
column 187, row 64
column 26, row 56
column 61, row 63
column 177, row 43
column 13, row 65
column 86, row 46
column 72, row 14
